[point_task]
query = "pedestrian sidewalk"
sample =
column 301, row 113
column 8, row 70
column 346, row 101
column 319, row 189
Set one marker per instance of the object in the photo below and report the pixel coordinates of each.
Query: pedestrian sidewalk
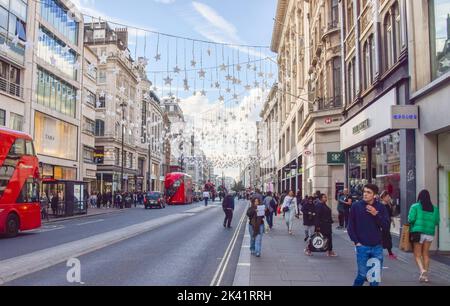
column 90, row 213
column 283, row 263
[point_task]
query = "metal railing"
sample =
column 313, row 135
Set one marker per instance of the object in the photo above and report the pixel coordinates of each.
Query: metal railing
column 11, row 88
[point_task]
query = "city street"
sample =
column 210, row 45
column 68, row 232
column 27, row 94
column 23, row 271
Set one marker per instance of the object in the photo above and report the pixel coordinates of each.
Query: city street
column 188, row 251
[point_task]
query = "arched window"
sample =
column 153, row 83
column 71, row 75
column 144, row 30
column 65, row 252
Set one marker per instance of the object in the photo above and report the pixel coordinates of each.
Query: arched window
column 398, row 31
column 388, row 42
column 369, row 64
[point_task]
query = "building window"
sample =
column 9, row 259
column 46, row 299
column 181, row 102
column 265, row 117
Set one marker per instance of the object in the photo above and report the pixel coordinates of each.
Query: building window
column 10, row 80
column 54, row 13
column 88, row 155
column 99, row 128
column 117, row 156
column 16, row 122
column 91, row 70
column 358, row 172
column 13, row 16
column 101, row 102
column 388, row 42
column 334, row 14
column 99, row 156
column 398, row 31
column 55, row 94
column 51, row 50
column 369, row 65
column 439, row 37
column 350, row 19
column 337, row 76
column 351, row 82
column 91, row 98
column 102, row 77
column 2, row 117
column 88, row 126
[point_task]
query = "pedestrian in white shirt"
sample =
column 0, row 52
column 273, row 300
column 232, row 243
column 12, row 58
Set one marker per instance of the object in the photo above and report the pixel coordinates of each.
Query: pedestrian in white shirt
column 290, row 210
column 206, row 197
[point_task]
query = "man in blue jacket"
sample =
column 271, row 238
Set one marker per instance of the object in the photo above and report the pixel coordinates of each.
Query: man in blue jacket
column 367, row 219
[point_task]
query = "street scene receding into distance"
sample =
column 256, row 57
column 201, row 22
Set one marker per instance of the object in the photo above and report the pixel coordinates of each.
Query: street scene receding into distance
column 246, row 145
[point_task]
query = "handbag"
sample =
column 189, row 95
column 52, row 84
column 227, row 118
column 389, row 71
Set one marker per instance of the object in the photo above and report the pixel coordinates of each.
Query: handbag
column 318, row 243
column 405, row 243
column 286, row 208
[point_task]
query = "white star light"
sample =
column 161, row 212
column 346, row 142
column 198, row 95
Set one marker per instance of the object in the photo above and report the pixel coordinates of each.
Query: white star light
column 15, row 40
column 103, row 58
column 122, row 90
column 109, row 97
column 157, row 57
column 116, row 71
column 223, row 67
column 53, row 60
column 261, row 74
column 65, row 49
column 217, row 85
column 228, row 90
column 176, row 70
column 203, row 93
column 193, row 63
column 29, row 44
column 4, row 47
column 102, row 94
column 238, row 67
column 91, row 68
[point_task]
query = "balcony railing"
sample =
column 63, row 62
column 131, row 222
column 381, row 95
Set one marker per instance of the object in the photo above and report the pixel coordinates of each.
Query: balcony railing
column 11, row 88
column 323, row 104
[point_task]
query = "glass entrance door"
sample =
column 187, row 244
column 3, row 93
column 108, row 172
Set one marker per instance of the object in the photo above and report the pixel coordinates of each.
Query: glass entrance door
column 444, row 191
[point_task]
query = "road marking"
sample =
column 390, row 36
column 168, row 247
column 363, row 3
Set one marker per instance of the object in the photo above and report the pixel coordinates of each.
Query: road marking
column 46, row 229
column 14, row 268
column 91, row 222
column 217, row 279
column 244, row 264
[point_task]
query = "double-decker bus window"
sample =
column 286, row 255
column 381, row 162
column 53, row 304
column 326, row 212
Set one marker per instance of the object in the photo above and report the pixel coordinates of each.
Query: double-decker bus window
column 29, row 192
column 18, row 148
column 29, row 148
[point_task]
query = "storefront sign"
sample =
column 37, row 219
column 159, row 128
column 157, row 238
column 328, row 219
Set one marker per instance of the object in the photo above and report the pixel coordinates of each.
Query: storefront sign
column 404, row 117
column 336, row 158
column 372, row 121
column 55, row 138
column 361, row 127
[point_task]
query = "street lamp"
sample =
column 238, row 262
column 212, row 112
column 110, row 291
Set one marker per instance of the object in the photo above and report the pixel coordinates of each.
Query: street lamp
column 149, row 179
column 123, row 105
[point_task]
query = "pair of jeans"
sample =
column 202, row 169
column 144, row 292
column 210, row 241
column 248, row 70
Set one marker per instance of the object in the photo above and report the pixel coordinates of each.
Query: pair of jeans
column 346, row 216
column 341, row 217
column 256, row 242
column 206, row 201
column 270, row 219
column 289, row 216
column 370, row 265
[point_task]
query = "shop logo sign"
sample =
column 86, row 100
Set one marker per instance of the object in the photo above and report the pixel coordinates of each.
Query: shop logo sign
column 361, row 127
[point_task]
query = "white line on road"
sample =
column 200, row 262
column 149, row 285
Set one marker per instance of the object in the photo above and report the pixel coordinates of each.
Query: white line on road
column 226, row 258
column 91, row 222
column 45, row 229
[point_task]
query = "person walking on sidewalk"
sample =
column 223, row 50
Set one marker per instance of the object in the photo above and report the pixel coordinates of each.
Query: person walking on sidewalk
column 368, row 218
column 386, row 200
column 324, row 222
column 423, row 217
column 309, row 220
column 290, row 210
column 256, row 226
column 228, row 208
column 346, row 200
column 206, row 197
column 271, row 207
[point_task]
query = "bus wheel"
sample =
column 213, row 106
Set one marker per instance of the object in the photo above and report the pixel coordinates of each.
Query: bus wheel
column 12, row 226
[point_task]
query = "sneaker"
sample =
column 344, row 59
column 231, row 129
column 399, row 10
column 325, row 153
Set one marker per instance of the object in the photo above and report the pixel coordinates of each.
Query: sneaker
column 258, row 255
column 393, row 257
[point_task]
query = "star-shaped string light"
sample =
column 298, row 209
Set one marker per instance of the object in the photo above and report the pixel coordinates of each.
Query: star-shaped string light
column 176, row 70
column 103, row 58
column 15, row 40
column 193, row 63
column 203, row 93
column 157, row 57
column 217, row 85
column 168, row 80
column 202, row 73
column 223, row 67
column 122, row 90
column 102, row 94
column 4, row 47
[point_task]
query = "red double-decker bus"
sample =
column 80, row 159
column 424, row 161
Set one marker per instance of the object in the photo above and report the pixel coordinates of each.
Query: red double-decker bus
column 178, row 189
column 19, row 183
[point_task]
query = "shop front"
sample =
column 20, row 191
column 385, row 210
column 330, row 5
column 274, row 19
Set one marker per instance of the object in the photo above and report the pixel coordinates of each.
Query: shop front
column 376, row 145
column 444, row 190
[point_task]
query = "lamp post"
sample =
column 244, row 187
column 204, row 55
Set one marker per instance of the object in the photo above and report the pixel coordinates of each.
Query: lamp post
column 123, row 105
column 149, row 180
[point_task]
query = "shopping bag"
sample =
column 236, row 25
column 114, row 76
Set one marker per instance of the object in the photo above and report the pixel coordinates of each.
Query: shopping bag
column 318, row 243
column 405, row 244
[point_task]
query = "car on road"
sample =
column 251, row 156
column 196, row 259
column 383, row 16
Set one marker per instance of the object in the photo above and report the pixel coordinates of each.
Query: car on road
column 154, row 200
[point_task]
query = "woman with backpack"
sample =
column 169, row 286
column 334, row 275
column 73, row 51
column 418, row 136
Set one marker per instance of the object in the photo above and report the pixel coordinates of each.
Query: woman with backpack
column 256, row 227
column 423, row 218
column 290, row 210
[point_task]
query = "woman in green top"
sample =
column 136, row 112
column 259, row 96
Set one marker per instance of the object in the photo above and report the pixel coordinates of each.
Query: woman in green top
column 423, row 218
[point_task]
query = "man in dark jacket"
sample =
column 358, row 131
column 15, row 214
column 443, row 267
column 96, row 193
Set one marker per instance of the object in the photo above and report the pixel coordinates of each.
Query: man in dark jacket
column 309, row 217
column 228, row 208
column 324, row 222
column 367, row 219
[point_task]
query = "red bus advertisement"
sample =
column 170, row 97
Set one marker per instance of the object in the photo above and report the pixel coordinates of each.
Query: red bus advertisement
column 19, row 184
column 178, row 189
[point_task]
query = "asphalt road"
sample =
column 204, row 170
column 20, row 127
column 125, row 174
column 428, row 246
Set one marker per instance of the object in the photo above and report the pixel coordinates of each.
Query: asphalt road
column 186, row 252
